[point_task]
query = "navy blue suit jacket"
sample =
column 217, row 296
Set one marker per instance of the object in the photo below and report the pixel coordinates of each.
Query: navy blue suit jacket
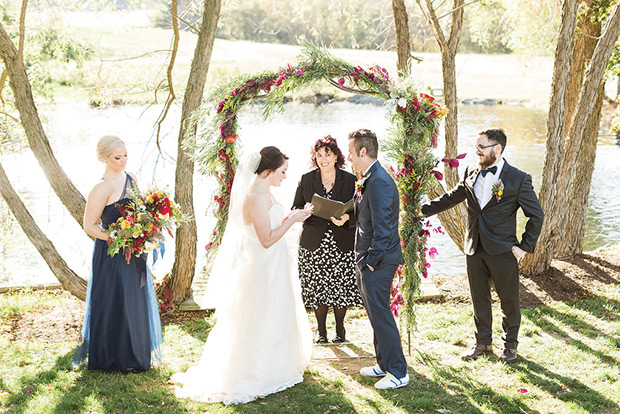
column 377, row 240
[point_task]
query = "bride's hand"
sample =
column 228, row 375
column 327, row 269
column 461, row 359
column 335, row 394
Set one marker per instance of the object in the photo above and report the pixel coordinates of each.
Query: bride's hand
column 298, row 215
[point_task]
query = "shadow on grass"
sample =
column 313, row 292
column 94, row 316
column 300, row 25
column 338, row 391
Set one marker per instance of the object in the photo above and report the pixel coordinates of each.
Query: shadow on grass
column 315, row 395
column 469, row 395
column 95, row 391
column 563, row 388
column 195, row 323
column 543, row 318
column 421, row 395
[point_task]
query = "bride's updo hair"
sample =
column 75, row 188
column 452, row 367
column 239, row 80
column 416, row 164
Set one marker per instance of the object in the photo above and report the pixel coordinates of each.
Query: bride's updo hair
column 106, row 146
column 271, row 158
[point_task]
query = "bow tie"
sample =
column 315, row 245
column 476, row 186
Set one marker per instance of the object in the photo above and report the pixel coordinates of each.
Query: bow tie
column 491, row 170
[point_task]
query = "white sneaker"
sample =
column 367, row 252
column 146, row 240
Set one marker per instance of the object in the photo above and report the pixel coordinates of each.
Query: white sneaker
column 373, row 372
column 390, row 381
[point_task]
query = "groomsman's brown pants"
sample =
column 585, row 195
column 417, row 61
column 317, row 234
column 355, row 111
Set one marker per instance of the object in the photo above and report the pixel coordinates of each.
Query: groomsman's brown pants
column 503, row 270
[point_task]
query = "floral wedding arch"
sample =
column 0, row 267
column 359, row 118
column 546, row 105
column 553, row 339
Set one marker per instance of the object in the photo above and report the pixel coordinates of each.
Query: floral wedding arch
column 415, row 119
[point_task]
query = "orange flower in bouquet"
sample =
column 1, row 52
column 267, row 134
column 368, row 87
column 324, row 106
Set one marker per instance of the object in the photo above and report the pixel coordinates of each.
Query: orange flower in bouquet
column 143, row 219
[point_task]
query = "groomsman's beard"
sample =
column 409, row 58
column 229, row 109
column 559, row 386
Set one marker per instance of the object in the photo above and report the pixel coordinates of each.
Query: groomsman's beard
column 487, row 161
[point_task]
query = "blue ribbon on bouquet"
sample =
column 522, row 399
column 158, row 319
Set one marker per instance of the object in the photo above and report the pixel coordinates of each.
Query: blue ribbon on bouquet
column 141, row 262
column 162, row 250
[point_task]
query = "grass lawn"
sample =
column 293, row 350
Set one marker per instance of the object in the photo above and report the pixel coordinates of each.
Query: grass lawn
column 570, row 363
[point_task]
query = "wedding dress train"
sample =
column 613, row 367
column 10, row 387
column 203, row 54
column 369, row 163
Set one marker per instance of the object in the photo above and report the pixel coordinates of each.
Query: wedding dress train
column 262, row 341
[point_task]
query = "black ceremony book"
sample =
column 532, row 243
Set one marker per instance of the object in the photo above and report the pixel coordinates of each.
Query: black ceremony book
column 326, row 208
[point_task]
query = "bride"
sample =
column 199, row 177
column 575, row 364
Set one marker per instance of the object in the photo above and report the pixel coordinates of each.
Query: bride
column 262, row 341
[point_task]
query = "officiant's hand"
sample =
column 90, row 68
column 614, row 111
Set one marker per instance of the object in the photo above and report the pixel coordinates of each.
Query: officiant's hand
column 340, row 221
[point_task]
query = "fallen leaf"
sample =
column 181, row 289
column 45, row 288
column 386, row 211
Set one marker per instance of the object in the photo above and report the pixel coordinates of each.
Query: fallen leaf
column 321, row 395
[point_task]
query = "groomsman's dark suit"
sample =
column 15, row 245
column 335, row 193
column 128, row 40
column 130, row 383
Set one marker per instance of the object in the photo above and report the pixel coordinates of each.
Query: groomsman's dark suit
column 377, row 244
column 489, row 239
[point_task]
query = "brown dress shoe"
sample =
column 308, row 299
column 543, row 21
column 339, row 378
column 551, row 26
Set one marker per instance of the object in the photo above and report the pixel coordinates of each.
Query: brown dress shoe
column 476, row 351
column 509, row 355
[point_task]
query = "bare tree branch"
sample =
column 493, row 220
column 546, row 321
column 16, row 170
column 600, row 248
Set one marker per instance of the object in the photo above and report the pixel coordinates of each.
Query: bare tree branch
column 11, row 116
column 2, row 83
column 22, row 30
column 171, row 96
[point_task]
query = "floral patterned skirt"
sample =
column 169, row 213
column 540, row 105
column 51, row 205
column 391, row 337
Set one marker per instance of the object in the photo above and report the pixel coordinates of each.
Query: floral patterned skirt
column 328, row 275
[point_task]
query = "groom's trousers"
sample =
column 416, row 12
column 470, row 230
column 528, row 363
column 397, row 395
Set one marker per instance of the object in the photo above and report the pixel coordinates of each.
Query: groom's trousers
column 375, row 289
column 503, row 270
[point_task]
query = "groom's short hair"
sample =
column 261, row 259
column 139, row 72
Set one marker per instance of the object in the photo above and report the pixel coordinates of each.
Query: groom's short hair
column 495, row 135
column 365, row 138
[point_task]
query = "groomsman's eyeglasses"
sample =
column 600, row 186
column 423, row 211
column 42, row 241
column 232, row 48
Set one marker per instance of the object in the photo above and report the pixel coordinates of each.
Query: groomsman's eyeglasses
column 483, row 147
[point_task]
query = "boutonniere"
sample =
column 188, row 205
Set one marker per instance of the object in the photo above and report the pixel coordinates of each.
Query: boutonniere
column 497, row 190
column 359, row 184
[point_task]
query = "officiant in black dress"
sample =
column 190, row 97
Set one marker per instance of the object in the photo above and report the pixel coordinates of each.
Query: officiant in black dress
column 326, row 257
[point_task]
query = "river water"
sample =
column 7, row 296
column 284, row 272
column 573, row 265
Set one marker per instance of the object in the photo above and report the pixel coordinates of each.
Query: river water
column 74, row 129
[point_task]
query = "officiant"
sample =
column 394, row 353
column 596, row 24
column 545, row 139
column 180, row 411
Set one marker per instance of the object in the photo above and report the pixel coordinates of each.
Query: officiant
column 326, row 257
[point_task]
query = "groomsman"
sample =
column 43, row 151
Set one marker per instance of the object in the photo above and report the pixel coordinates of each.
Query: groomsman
column 378, row 255
column 494, row 191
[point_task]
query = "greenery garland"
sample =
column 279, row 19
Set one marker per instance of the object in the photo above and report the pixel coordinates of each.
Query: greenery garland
column 415, row 122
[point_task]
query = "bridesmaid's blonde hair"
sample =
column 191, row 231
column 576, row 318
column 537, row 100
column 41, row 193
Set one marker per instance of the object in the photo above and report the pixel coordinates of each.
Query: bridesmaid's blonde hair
column 106, row 146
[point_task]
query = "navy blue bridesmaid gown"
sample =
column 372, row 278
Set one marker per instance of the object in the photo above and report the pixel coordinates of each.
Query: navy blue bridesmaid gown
column 122, row 329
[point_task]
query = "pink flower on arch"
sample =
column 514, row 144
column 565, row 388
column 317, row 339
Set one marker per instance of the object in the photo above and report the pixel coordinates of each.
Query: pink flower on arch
column 437, row 174
column 454, row 162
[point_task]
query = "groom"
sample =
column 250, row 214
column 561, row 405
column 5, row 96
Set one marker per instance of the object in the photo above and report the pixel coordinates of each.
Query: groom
column 494, row 191
column 377, row 256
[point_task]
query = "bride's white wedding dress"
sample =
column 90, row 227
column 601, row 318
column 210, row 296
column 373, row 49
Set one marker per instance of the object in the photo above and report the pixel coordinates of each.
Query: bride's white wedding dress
column 262, row 341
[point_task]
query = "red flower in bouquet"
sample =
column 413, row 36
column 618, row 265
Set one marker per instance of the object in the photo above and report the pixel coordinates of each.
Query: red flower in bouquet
column 139, row 228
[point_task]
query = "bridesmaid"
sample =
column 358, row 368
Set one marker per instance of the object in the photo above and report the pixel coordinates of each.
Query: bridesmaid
column 121, row 329
column 326, row 258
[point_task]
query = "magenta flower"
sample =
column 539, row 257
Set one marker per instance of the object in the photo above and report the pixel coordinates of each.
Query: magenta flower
column 522, row 390
column 433, row 253
column 220, row 105
column 341, row 82
column 454, row 162
column 437, row 174
column 451, row 162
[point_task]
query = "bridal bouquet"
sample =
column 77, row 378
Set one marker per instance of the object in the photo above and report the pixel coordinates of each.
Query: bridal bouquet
column 143, row 219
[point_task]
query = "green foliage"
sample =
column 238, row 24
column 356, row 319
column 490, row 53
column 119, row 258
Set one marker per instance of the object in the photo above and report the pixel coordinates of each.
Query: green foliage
column 490, row 26
column 485, row 28
column 415, row 118
column 53, row 43
column 49, row 41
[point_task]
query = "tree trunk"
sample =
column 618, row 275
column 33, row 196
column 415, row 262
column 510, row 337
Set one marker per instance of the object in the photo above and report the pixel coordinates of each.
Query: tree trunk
column 185, row 260
column 67, row 277
column 68, row 194
column 403, row 42
column 454, row 221
column 589, row 30
column 556, row 216
column 575, row 224
column 535, row 263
